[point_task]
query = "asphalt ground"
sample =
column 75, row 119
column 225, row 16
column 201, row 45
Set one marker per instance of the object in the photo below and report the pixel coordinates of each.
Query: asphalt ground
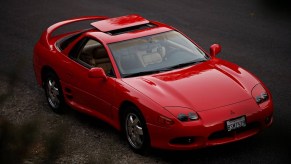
column 255, row 34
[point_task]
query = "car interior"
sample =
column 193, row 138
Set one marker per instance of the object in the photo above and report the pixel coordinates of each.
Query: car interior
column 95, row 55
column 140, row 57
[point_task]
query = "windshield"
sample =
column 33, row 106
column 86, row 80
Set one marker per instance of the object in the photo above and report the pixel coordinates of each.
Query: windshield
column 155, row 53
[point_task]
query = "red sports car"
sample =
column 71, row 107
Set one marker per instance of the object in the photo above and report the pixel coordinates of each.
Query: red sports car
column 151, row 82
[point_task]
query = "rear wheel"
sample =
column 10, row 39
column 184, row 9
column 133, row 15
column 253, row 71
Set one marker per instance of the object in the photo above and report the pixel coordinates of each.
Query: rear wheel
column 54, row 93
column 135, row 130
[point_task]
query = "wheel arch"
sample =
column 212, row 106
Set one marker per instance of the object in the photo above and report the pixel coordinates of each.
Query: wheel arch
column 44, row 71
column 122, row 109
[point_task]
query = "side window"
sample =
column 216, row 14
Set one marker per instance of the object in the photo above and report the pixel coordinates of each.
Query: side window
column 63, row 43
column 94, row 54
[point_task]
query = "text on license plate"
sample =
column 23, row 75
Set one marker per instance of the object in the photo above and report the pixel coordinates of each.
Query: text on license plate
column 236, row 123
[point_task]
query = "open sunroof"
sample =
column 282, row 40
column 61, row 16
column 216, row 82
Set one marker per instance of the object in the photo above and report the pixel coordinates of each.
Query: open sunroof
column 118, row 23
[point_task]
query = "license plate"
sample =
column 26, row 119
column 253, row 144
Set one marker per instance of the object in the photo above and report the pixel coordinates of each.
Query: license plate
column 236, row 123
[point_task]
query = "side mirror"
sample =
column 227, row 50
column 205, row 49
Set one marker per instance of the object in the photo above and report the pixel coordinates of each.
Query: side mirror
column 97, row 73
column 214, row 49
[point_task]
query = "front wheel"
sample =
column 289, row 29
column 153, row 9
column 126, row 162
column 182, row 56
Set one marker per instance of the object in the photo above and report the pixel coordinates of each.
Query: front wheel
column 54, row 93
column 135, row 130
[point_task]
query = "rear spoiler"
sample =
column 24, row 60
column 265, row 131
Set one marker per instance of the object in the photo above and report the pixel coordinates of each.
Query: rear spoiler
column 46, row 36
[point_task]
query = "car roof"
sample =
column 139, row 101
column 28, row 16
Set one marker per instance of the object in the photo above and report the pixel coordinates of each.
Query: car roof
column 126, row 27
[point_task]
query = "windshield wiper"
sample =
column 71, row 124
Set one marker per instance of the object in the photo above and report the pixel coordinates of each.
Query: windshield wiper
column 143, row 73
column 186, row 64
column 163, row 69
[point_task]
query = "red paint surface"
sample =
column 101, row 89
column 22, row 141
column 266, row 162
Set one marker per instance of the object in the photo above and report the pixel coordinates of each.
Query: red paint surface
column 217, row 90
column 119, row 23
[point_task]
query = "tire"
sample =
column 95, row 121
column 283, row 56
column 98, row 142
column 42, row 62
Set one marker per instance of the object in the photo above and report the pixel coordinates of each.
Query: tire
column 53, row 92
column 135, row 130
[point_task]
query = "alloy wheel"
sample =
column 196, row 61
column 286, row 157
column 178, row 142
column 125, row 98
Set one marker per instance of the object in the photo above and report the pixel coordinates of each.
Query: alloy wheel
column 134, row 130
column 53, row 93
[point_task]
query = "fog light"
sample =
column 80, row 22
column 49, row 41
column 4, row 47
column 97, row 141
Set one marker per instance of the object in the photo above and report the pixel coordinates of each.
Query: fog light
column 183, row 140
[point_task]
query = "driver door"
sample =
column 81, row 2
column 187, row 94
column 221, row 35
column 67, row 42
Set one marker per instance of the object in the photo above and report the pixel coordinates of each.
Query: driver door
column 90, row 94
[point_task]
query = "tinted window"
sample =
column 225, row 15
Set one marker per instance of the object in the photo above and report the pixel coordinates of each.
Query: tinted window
column 63, row 43
column 155, row 52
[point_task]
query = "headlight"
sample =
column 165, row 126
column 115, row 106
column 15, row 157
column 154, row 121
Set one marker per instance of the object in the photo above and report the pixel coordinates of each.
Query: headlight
column 259, row 94
column 183, row 114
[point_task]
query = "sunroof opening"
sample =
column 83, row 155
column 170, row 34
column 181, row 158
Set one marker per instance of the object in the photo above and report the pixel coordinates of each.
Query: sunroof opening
column 130, row 29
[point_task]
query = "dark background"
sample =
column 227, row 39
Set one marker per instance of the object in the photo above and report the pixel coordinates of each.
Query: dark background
column 255, row 34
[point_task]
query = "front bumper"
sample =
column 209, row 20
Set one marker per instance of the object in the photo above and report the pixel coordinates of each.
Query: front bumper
column 210, row 129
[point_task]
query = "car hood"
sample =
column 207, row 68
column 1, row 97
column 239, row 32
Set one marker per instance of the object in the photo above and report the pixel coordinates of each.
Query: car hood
column 204, row 86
